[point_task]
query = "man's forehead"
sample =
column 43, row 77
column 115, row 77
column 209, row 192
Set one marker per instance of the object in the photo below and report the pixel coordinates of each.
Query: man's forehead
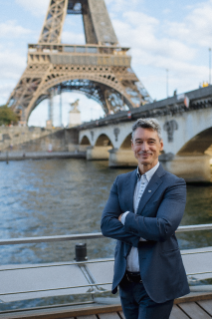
column 145, row 131
column 145, row 138
column 145, row 134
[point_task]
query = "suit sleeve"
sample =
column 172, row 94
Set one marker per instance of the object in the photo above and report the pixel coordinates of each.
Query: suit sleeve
column 110, row 225
column 168, row 218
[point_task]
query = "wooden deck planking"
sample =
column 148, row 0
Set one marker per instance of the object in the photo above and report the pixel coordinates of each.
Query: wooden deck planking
column 112, row 315
column 177, row 313
column 194, row 311
column 190, row 307
column 207, row 305
column 122, row 314
column 87, row 317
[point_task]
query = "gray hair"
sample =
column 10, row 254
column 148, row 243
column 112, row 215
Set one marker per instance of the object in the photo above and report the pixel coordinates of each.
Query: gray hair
column 147, row 123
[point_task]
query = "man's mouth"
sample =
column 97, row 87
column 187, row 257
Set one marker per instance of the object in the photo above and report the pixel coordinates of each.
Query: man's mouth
column 144, row 154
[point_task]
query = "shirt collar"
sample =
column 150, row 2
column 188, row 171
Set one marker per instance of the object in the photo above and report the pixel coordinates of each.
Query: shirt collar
column 149, row 173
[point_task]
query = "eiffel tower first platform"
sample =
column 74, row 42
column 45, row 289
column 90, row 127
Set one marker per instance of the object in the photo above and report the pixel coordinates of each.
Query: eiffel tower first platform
column 101, row 69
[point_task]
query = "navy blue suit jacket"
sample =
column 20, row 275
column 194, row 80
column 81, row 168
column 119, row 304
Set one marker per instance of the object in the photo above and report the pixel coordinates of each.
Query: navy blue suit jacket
column 158, row 215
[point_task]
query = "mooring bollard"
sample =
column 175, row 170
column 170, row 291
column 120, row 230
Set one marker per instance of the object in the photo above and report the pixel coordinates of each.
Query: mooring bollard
column 80, row 252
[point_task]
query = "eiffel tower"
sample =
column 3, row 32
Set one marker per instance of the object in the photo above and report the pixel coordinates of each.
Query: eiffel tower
column 101, row 69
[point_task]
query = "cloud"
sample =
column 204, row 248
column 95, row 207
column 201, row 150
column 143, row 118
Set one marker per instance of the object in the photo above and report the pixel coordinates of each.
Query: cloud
column 139, row 31
column 118, row 5
column 122, row 3
column 12, row 66
column 154, row 50
column 36, row 7
column 11, row 29
column 196, row 27
column 5, row 91
column 167, row 11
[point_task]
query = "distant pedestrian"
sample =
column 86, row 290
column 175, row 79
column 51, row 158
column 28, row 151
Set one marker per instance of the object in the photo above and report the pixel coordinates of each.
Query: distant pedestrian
column 50, row 147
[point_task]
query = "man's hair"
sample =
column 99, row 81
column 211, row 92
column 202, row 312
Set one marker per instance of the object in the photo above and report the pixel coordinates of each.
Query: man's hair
column 147, row 123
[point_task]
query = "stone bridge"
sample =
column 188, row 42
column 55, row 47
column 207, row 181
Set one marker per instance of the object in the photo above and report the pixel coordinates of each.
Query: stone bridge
column 186, row 122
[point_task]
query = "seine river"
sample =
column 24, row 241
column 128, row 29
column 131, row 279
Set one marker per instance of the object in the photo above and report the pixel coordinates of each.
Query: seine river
column 58, row 197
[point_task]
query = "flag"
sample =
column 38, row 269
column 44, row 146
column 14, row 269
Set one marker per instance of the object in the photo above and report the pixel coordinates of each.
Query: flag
column 186, row 101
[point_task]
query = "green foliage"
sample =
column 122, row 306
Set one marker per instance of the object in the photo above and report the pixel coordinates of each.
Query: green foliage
column 7, row 116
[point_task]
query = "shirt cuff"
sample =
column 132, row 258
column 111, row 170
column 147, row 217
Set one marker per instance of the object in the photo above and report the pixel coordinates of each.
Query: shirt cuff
column 123, row 217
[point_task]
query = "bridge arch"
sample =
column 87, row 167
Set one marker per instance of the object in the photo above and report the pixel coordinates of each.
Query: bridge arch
column 84, row 140
column 103, row 140
column 126, row 144
column 198, row 145
column 107, row 84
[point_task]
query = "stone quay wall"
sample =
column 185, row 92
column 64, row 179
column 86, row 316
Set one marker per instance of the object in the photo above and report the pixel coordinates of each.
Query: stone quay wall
column 36, row 139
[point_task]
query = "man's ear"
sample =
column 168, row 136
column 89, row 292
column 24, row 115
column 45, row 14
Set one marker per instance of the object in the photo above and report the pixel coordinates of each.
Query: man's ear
column 161, row 145
column 132, row 145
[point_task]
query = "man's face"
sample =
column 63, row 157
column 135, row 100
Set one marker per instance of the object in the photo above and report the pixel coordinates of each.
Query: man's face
column 146, row 146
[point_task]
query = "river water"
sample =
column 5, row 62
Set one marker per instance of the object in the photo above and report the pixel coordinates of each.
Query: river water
column 58, row 197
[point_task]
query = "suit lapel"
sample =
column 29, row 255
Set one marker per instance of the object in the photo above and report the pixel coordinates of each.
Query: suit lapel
column 151, row 188
column 131, row 188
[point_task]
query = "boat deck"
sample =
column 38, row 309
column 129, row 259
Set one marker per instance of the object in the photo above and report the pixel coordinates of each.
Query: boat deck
column 93, row 278
column 25, row 282
column 192, row 306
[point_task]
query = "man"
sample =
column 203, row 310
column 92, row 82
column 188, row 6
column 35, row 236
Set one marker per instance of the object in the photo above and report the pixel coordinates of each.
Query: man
column 143, row 211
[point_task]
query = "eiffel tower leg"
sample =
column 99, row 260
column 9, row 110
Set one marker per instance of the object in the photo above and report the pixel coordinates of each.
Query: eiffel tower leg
column 51, row 94
column 25, row 93
column 61, row 115
column 53, row 24
column 106, row 96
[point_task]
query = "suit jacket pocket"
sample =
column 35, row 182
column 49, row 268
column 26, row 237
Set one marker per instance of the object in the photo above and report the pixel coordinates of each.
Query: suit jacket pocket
column 170, row 251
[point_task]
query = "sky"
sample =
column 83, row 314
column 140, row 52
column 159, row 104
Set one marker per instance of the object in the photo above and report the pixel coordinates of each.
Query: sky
column 173, row 35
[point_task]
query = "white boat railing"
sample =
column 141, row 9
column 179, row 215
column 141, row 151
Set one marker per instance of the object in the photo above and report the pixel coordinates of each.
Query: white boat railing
column 42, row 239
column 94, row 286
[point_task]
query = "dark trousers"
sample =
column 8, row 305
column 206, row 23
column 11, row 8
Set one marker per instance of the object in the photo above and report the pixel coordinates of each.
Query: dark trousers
column 137, row 304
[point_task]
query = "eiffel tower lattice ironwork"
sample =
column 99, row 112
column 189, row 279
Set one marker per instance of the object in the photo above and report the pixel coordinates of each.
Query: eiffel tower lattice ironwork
column 101, row 68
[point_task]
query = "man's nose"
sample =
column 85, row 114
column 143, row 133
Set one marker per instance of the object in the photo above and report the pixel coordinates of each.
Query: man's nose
column 145, row 146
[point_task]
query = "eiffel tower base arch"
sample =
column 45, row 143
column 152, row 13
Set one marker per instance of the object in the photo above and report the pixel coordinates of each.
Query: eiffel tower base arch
column 101, row 61
column 98, row 87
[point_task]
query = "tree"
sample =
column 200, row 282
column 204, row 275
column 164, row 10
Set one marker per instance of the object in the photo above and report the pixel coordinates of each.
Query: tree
column 7, row 116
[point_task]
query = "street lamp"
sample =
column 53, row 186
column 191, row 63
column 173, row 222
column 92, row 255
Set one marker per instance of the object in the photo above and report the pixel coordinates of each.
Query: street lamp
column 209, row 49
column 167, row 82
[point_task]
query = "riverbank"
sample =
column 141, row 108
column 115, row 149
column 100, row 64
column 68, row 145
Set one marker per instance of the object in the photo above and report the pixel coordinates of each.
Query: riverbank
column 17, row 156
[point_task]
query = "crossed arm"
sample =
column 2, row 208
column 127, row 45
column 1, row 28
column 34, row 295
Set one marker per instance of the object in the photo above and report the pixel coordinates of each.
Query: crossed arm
column 159, row 228
column 110, row 225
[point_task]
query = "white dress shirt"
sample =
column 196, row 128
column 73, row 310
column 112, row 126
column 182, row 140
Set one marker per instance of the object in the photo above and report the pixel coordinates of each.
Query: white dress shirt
column 142, row 182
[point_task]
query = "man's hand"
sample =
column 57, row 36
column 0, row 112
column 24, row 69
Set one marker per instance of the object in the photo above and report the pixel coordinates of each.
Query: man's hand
column 119, row 218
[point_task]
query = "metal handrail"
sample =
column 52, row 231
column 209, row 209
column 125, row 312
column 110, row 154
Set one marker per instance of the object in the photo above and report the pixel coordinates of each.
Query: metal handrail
column 82, row 286
column 188, row 228
column 34, row 240
column 84, row 262
column 60, row 288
